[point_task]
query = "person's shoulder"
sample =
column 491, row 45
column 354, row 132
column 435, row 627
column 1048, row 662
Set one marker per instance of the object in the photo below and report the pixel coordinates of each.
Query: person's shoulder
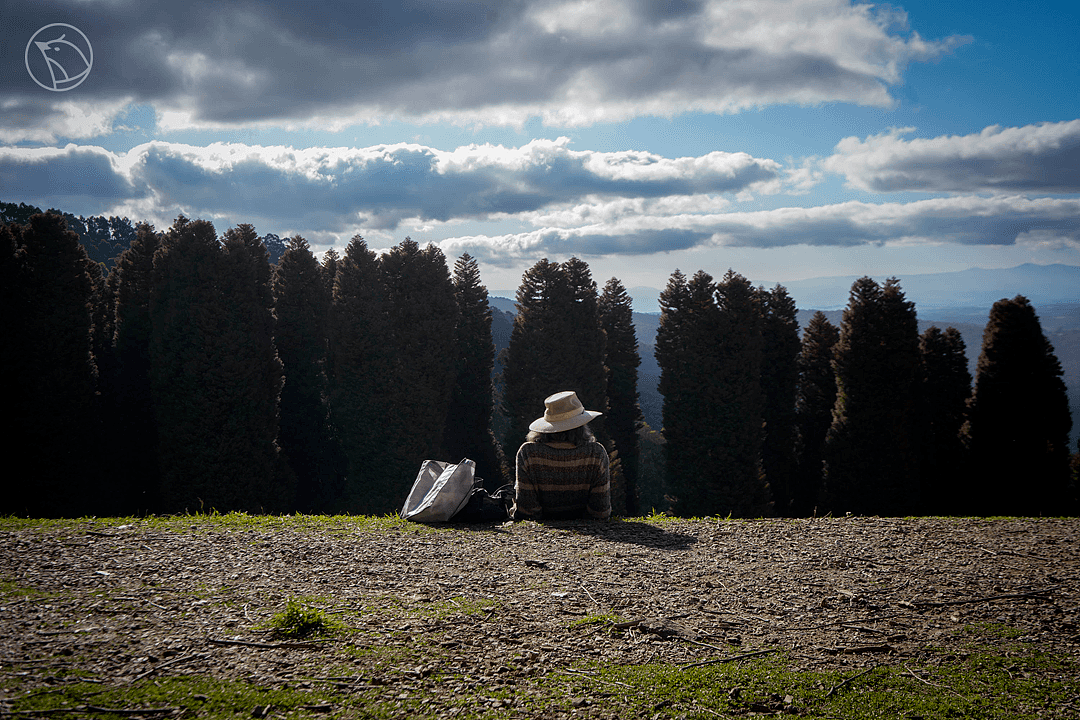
column 596, row 448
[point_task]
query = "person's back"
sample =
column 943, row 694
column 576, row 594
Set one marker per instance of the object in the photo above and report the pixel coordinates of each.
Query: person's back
column 562, row 472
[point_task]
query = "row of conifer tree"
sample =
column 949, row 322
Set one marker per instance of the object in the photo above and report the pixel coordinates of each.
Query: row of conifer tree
column 197, row 376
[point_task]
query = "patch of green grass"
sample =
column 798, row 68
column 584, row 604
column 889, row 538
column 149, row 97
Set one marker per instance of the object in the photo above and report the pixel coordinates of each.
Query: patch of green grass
column 596, row 619
column 219, row 522
column 298, row 621
column 190, row 696
column 992, row 630
column 10, row 588
column 404, row 677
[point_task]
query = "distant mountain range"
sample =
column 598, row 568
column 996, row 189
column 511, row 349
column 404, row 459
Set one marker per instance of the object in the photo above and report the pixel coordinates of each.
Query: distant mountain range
column 975, row 287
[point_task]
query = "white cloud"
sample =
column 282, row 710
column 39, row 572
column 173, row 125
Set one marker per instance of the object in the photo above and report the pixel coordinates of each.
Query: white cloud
column 969, row 220
column 340, row 189
column 1041, row 158
column 569, row 62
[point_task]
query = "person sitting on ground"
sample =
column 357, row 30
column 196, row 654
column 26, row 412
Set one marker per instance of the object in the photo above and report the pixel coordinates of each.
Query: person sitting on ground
column 562, row 471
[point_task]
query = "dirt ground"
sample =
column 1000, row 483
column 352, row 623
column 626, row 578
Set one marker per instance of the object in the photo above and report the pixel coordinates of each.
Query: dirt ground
column 123, row 602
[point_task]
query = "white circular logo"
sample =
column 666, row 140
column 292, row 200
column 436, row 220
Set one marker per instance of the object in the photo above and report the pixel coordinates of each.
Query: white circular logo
column 59, row 57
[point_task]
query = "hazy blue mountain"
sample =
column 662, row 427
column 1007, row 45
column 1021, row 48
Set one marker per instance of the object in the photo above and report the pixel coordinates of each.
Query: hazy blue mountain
column 975, row 287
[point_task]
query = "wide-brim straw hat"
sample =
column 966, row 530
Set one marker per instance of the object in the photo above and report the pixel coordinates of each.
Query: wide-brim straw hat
column 563, row 411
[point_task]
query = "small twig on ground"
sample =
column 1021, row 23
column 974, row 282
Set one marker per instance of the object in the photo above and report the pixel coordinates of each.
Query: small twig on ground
column 927, row 682
column 174, row 661
column 836, row 687
column 590, row 596
column 698, row 642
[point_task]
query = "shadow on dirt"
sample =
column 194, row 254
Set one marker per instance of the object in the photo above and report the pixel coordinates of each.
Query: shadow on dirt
column 625, row 531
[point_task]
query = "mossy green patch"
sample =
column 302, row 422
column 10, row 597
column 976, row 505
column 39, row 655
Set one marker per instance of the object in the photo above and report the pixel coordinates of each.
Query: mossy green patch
column 596, row 619
column 13, row 589
column 992, row 630
column 299, row 620
column 185, row 696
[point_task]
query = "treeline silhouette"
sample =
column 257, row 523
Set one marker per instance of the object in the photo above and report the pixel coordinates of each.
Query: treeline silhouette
column 190, row 373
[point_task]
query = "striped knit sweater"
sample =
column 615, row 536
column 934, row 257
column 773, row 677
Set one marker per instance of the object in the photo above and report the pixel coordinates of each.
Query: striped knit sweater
column 561, row 481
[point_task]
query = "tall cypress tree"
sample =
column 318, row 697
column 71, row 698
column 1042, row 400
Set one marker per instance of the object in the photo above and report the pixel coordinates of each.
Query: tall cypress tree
column 329, row 268
column 622, row 361
column 421, row 310
column 50, row 368
column 254, row 368
column 360, row 361
column 740, row 488
column 873, row 449
column 582, row 339
column 138, row 437
column 1018, row 418
column 814, row 408
column 779, row 386
column 302, row 308
column 946, row 389
column 709, row 350
column 215, row 376
column 531, row 367
column 556, row 344
column 468, row 422
column 688, row 354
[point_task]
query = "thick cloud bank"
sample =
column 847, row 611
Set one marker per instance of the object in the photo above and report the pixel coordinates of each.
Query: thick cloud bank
column 970, row 220
column 334, row 189
column 568, row 62
column 1041, row 158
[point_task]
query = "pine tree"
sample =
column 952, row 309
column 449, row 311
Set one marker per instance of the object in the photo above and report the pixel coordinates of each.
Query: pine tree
column 736, row 442
column 1018, row 418
column 531, row 368
column 255, row 371
column 779, row 385
column 873, row 450
column 329, row 268
column 468, row 423
column 302, row 309
column 946, row 389
column 421, row 309
column 582, row 338
column 709, row 348
column 556, row 344
column 50, row 369
column 814, row 408
column 137, row 444
column 113, row 496
column 360, row 362
column 622, row 360
column 214, row 372
column 686, row 322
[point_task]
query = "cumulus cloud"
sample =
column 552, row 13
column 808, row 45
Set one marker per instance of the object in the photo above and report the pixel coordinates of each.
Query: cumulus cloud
column 89, row 178
column 569, row 62
column 1034, row 158
column 971, row 220
column 335, row 189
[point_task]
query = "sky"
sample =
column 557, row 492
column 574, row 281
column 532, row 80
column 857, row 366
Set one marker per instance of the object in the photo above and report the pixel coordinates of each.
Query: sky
column 783, row 139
